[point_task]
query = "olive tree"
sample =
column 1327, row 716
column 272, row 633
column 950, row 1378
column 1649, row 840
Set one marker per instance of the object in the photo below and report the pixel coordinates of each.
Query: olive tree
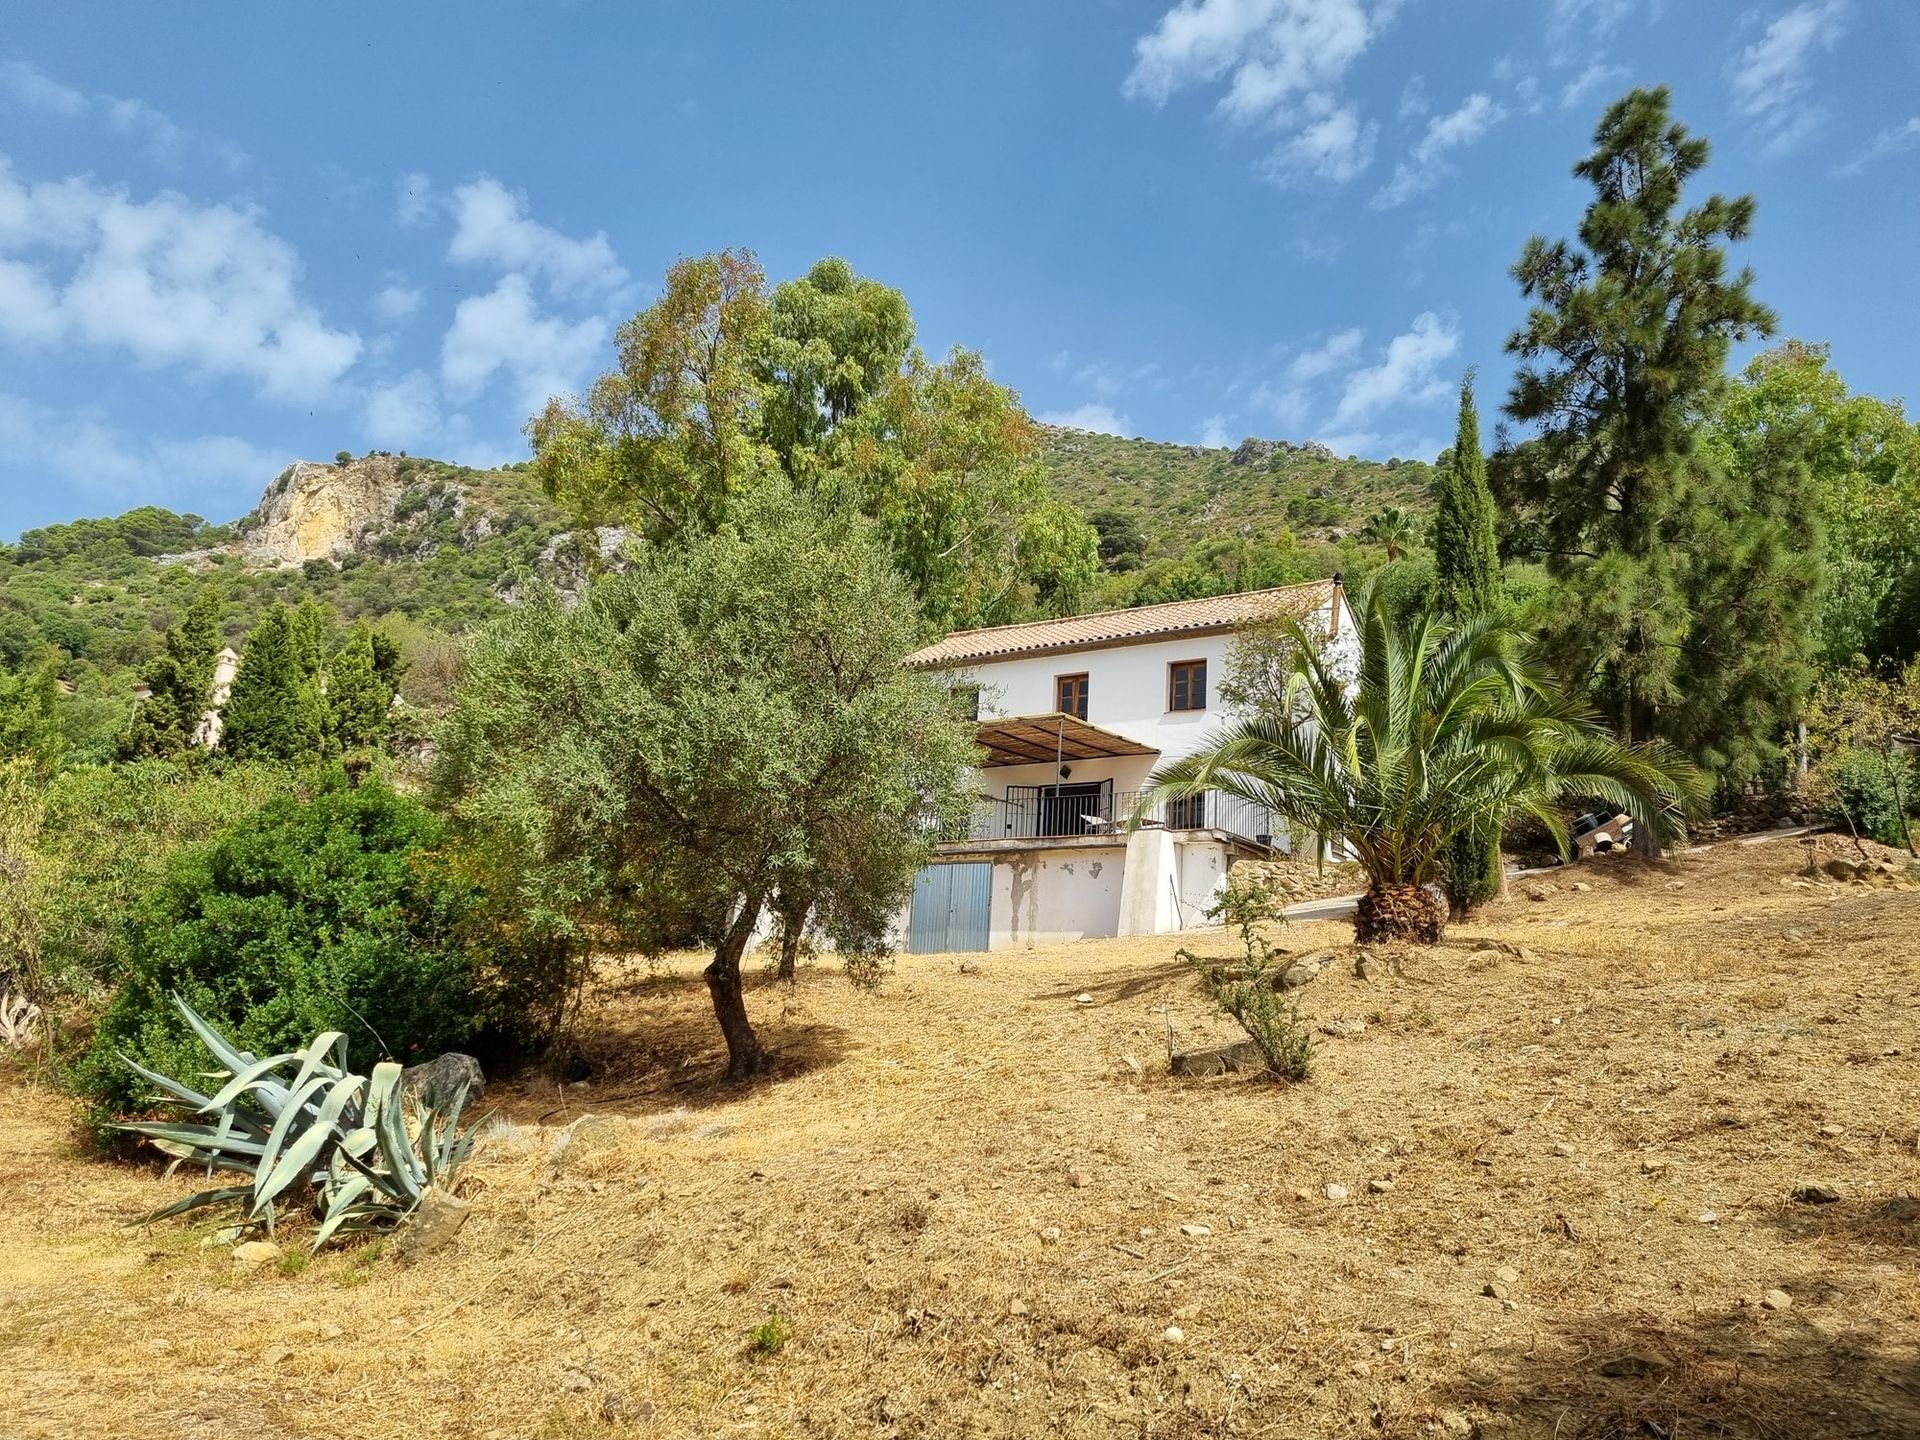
column 725, row 721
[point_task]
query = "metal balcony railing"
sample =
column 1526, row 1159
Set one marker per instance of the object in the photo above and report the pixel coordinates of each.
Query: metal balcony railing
column 1046, row 812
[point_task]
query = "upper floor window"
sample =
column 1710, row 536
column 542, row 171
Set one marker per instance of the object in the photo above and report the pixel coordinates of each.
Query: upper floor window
column 1187, row 685
column 1070, row 695
column 966, row 695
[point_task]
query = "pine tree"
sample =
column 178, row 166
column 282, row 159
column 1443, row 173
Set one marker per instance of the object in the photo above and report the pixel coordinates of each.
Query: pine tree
column 1678, row 600
column 1467, row 575
column 271, row 715
column 179, row 682
column 357, row 697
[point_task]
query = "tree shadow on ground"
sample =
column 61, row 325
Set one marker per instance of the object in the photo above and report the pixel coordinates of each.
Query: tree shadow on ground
column 1120, row 985
column 651, row 1045
column 1823, row 1369
column 1871, row 1228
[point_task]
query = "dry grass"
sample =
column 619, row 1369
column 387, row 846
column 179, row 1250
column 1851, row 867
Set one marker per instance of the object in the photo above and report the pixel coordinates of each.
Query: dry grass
column 1700, row 1040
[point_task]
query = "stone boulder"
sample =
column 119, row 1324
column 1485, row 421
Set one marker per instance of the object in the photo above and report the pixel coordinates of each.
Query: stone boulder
column 435, row 1083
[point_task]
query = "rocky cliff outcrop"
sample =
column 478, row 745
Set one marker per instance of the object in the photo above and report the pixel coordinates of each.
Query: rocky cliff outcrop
column 323, row 512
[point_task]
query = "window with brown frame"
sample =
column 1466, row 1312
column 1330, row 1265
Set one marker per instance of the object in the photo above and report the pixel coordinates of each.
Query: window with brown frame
column 1070, row 695
column 1187, row 685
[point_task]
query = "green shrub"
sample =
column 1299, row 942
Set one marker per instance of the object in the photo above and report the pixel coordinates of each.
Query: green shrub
column 104, row 836
column 1249, row 992
column 1860, row 786
column 334, row 913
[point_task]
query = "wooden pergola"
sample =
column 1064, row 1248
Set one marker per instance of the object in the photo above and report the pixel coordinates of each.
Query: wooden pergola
column 1049, row 739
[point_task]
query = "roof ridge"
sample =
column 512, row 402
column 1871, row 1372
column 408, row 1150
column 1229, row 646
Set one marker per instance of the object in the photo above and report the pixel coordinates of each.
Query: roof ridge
column 1134, row 624
column 1138, row 609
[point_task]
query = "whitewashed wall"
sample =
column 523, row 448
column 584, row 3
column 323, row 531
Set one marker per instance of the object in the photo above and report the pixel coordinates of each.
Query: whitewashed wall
column 1127, row 693
column 1044, row 896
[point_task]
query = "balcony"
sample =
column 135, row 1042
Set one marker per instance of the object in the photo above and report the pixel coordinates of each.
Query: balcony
column 1052, row 812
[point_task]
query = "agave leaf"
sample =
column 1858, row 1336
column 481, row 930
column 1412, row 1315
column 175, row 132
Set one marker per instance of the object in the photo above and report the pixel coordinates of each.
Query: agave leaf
column 346, row 1203
column 385, row 1116
column 383, row 1181
column 203, row 1135
column 312, row 1057
column 245, row 1079
column 301, row 1154
column 199, row 1138
column 234, row 1060
column 193, row 1202
column 289, row 1123
column 172, row 1087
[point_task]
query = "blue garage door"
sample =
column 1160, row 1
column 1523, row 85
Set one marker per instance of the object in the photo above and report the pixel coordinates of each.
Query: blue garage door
column 950, row 906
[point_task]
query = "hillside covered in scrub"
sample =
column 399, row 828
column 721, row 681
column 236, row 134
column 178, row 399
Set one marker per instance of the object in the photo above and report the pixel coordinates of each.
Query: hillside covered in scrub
column 428, row 549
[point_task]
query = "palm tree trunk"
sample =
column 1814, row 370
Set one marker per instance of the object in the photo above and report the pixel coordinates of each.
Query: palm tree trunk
column 1389, row 912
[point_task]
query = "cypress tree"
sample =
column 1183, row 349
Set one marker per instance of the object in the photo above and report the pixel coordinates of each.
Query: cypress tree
column 308, row 627
column 357, row 697
column 270, row 714
column 1465, row 557
column 1467, row 575
column 179, row 682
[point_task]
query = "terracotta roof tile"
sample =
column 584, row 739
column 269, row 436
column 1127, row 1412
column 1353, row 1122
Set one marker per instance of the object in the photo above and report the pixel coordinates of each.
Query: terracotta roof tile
column 1119, row 627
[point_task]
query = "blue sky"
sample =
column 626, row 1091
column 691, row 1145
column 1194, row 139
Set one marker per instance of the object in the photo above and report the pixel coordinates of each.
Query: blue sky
column 234, row 235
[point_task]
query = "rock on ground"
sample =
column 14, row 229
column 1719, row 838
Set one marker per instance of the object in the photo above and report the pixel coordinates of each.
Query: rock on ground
column 437, row 1082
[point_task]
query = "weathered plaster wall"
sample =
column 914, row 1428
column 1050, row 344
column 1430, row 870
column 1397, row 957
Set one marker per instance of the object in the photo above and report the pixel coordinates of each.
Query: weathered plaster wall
column 1041, row 897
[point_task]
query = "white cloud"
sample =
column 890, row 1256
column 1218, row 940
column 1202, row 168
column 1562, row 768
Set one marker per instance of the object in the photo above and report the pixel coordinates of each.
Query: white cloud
column 35, row 90
column 1427, row 165
column 1894, row 140
column 1374, row 445
column 1769, row 78
column 1573, row 21
column 504, row 332
column 1290, row 399
column 1337, row 352
column 1413, row 97
column 1274, row 49
column 395, row 302
column 1406, row 374
column 404, row 413
column 413, row 200
column 1283, row 61
column 1589, row 80
column 82, row 448
column 40, row 92
column 167, row 280
column 1336, row 147
column 1289, row 404
column 1214, row 433
column 1099, row 419
column 491, row 227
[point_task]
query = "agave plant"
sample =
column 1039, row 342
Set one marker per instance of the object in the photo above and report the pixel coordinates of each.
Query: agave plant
column 344, row 1136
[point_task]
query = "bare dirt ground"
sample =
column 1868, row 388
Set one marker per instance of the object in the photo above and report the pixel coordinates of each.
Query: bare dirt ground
column 974, row 1218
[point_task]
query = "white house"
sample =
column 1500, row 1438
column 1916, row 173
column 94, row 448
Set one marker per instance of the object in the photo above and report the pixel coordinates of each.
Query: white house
column 1074, row 715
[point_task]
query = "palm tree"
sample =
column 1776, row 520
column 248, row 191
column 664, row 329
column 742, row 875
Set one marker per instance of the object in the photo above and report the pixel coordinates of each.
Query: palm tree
column 1449, row 728
column 1395, row 527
